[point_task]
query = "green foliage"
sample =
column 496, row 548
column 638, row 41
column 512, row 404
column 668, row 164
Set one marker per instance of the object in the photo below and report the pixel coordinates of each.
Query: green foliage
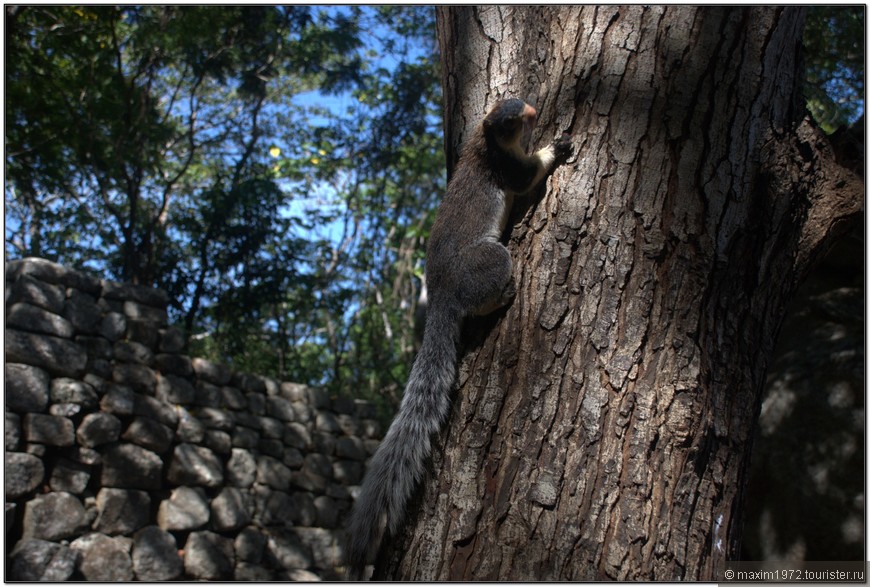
column 834, row 53
column 180, row 147
column 275, row 169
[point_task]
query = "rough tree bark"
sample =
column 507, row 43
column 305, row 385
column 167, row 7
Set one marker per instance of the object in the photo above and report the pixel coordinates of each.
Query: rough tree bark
column 602, row 423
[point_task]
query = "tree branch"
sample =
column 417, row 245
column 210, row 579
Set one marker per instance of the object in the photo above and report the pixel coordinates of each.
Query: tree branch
column 807, row 164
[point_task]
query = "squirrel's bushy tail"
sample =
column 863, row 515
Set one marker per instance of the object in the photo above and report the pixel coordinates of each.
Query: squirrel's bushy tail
column 397, row 466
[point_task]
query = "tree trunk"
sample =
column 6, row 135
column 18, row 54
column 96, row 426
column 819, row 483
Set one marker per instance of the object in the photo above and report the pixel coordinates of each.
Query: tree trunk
column 602, row 424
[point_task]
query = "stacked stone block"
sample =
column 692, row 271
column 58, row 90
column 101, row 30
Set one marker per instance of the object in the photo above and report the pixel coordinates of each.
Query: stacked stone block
column 128, row 460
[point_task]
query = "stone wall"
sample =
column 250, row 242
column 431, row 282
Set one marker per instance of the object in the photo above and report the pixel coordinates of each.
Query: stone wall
column 126, row 459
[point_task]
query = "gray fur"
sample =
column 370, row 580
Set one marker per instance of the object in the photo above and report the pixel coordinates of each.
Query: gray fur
column 468, row 272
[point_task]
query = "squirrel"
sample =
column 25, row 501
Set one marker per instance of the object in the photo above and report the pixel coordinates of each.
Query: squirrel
column 468, row 272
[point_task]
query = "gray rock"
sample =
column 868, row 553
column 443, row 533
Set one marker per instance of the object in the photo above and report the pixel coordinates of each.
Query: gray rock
column 349, row 424
column 248, row 382
column 103, row 558
column 344, row 405
column 304, row 413
column 271, row 427
column 12, row 431
column 49, row 430
column 327, row 512
column 324, row 443
column 370, row 428
column 119, row 400
column 195, row 465
column 297, row 436
column 250, row 544
column 139, row 311
column 143, row 331
column 176, row 365
column 324, row 545
column 84, row 455
column 215, row 418
column 138, row 377
column 293, row 458
column 82, row 312
column 365, row 410
column 320, row 464
column 122, row 511
column 53, row 516
column 252, row 572
column 208, row 556
column 271, row 508
column 50, row 272
column 348, row 472
column 307, row 480
column 350, row 447
column 303, row 511
column 133, row 352
column 70, row 476
column 189, row 429
column 131, row 466
column 256, row 403
column 229, row 510
column 218, row 441
column 295, row 392
column 245, row 437
column 156, row 409
column 271, row 447
column 38, row 293
column 114, row 290
column 211, row 372
column 274, row 473
column 247, row 420
column 319, row 399
column 327, row 422
column 97, row 347
column 100, row 367
column 39, row 560
column 55, row 355
column 95, row 381
column 155, row 555
column 37, row 450
column 73, row 391
column 280, row 408
column 26, row 388
column 34, row 319
column 186, row 509
column 113, row 326
column 273, row 387
column 98, row 428
column 285, row 550
column 207, row 395
column 11, row 510
column 90, row 503
column 340, row 492
column 150, row 434
column 171, row 340
column 23, row 474
column 65, row 410
column 233, row 398
column 241, row 468
column 300, row 576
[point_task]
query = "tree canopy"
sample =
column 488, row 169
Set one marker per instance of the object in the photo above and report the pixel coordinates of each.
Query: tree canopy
column 190, row 148
column 275, row 169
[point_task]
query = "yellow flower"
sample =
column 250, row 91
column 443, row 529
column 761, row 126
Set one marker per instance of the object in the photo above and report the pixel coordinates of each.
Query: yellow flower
column 275, row 152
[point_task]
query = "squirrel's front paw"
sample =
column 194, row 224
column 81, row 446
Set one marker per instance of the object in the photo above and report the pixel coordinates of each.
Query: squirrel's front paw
column 563, row 147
